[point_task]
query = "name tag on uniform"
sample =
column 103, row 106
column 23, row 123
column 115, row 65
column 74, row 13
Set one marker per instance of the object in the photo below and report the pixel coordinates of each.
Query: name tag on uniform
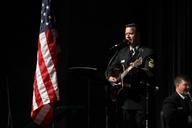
column 122, row 61
column 179, row 108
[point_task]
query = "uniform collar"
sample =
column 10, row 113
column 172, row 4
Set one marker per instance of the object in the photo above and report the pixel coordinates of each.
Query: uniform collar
column 183, row 97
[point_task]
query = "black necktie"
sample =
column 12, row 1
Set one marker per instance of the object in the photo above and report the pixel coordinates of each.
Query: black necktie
column 132, row 52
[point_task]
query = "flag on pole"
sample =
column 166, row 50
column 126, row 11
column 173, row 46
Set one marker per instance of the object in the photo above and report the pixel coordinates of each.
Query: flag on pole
column 45, row 86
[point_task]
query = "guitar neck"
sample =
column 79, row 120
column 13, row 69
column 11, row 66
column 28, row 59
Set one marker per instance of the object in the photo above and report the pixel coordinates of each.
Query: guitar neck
column 125, row 72
column 132, row 65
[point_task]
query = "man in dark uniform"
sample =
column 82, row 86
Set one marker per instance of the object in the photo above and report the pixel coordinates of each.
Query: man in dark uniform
column 129, row 72
column 177, row 108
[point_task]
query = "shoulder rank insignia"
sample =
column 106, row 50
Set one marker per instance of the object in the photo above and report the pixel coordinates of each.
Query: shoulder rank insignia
column 151, row 63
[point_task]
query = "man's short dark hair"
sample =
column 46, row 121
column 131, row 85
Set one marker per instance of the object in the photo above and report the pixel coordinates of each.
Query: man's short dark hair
column 131, row 25
column 181, row 77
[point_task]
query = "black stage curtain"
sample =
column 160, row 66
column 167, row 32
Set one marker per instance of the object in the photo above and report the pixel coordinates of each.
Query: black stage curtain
column 86, row 31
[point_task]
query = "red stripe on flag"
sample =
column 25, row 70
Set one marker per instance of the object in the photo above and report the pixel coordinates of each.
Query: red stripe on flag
column 46, row 77
column 45, row 84
column 37, row 94
column 49, row 117
column 52, row 47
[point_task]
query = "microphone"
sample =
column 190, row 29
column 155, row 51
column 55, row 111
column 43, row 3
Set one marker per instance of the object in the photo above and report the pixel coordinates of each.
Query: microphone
column 189, row 95
column 120, row 45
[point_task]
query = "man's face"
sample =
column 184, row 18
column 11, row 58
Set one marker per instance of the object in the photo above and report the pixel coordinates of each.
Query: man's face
column 183, row 87
column 130, row 34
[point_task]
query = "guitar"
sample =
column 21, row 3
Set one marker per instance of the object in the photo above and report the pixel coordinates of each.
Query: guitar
column 118, row 86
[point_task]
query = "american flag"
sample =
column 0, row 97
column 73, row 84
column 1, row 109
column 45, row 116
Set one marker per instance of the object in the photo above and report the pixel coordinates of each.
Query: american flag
column 45, row 86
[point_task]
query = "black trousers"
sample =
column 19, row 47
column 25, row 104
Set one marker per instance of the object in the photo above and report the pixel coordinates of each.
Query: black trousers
column 125, row 118
column 133, row 119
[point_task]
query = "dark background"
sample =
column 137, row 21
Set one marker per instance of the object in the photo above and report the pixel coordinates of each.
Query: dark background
column 86, row 31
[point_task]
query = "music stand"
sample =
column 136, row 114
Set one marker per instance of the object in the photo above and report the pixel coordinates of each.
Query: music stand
column 88, row 73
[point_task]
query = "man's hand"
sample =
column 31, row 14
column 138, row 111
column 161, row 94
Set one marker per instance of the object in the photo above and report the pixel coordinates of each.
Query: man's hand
column 113, row 81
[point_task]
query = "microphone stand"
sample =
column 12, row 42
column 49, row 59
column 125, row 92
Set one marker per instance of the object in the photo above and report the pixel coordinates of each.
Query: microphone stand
column 147, row 106
column 110, row 61
column 148, row 87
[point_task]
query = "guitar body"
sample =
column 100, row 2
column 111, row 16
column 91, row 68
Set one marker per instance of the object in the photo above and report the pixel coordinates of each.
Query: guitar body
column 131, row 88
column 114, row 92
column 126, row 80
